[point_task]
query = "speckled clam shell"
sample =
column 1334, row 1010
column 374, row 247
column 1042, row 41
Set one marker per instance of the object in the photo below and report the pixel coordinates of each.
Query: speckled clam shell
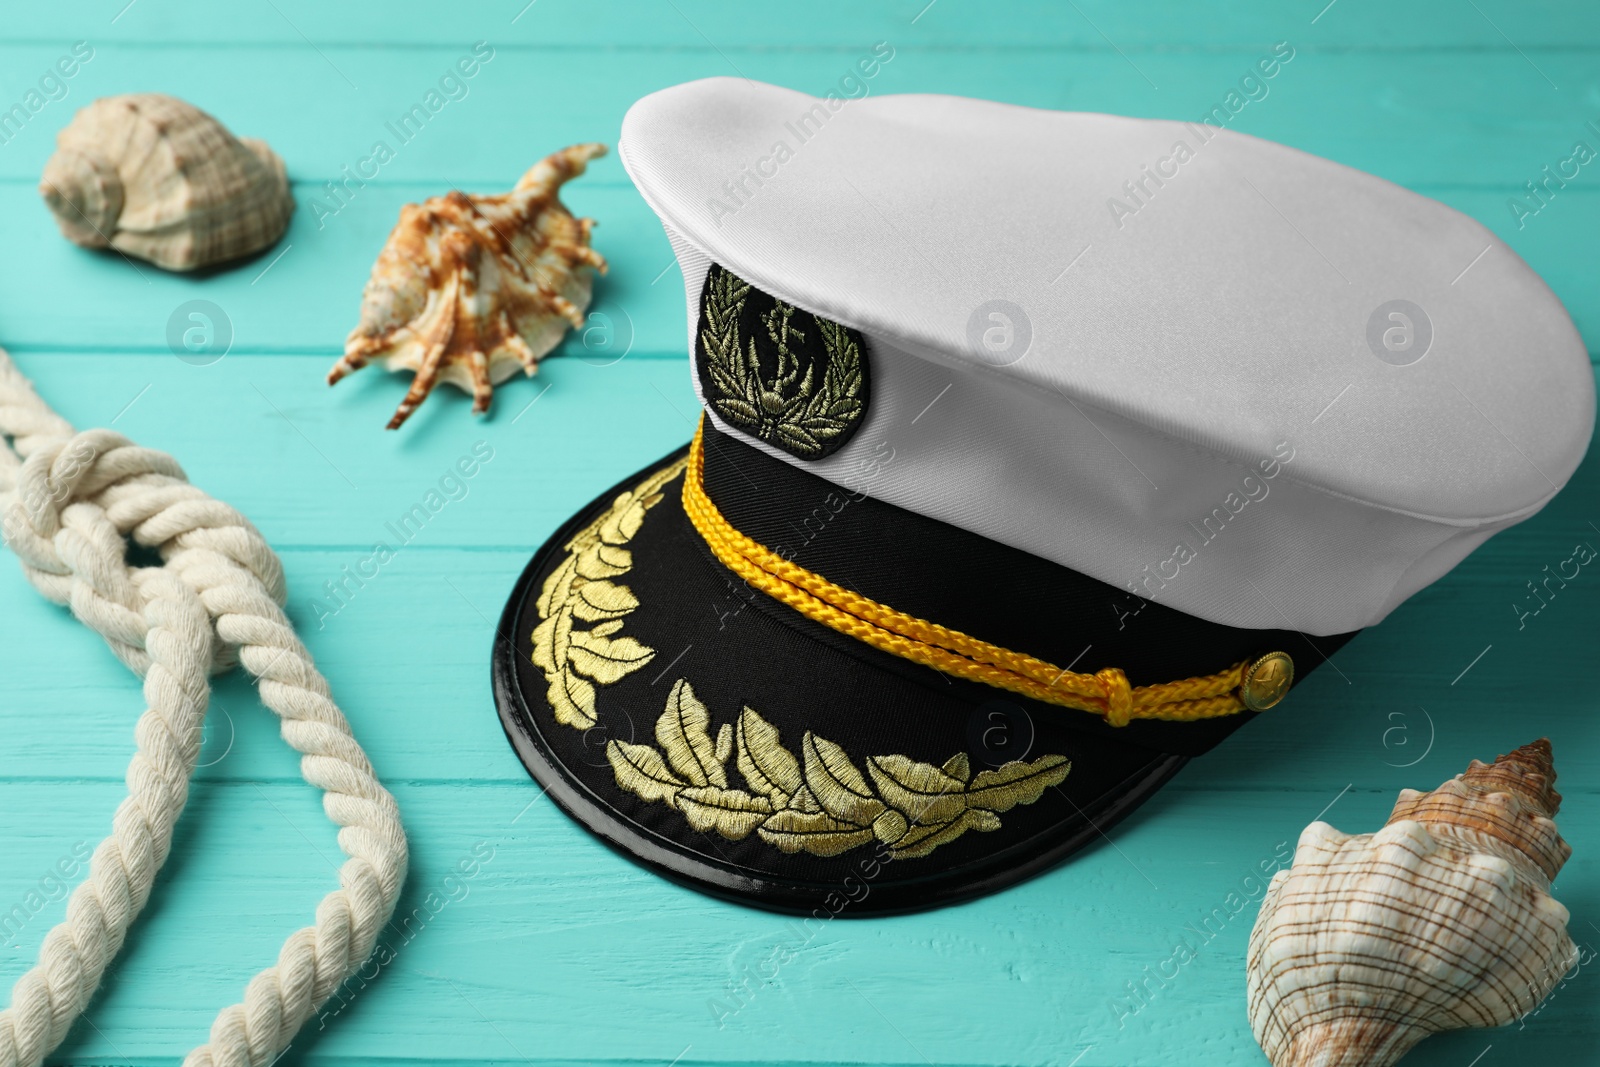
column 161, row 180
column 471, row 289
column 1441, row 920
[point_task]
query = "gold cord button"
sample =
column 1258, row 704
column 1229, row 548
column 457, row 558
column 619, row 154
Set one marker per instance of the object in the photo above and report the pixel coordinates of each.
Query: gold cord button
column 1266, row 681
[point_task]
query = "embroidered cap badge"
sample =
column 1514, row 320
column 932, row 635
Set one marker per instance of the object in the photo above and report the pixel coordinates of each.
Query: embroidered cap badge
column 777, row 373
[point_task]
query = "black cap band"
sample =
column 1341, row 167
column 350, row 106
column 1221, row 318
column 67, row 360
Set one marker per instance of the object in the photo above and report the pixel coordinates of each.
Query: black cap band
column 998, row 594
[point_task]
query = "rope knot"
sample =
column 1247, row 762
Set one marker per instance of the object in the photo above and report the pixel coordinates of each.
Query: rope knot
column 1118, row 695
column 70, row 503
column 67, row 471
column 45, row 485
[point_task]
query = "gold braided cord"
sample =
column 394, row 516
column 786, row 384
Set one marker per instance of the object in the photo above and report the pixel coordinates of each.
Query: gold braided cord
column 1106, row 693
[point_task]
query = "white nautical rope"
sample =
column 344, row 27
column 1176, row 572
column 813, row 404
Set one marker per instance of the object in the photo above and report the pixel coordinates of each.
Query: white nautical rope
column 70, row 502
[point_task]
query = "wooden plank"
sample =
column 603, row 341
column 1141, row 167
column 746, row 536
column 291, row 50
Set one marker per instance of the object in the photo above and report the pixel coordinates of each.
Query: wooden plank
column 707, row 24
column 556, row 951
column 407, row 650
column 314, row 466
column 1389, row 712
column 305, row 295
column 1484, row 116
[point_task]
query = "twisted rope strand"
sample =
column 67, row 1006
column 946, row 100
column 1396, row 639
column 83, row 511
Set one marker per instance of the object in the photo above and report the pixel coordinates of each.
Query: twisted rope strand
column 70, row 501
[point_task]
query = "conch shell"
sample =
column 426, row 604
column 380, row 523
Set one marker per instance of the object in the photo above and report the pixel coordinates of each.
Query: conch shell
column 156, row 178
column 1442, row 919
column 471, row 289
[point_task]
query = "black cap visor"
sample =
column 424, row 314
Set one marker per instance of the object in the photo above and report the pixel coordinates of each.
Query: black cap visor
column 728, row 742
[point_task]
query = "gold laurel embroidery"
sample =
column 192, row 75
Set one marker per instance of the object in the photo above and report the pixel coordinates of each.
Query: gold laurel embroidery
column 820, row 803
column 786, row 408
column 576, row 657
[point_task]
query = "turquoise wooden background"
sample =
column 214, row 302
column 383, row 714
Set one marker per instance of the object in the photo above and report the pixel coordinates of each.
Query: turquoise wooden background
column 556, row 951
